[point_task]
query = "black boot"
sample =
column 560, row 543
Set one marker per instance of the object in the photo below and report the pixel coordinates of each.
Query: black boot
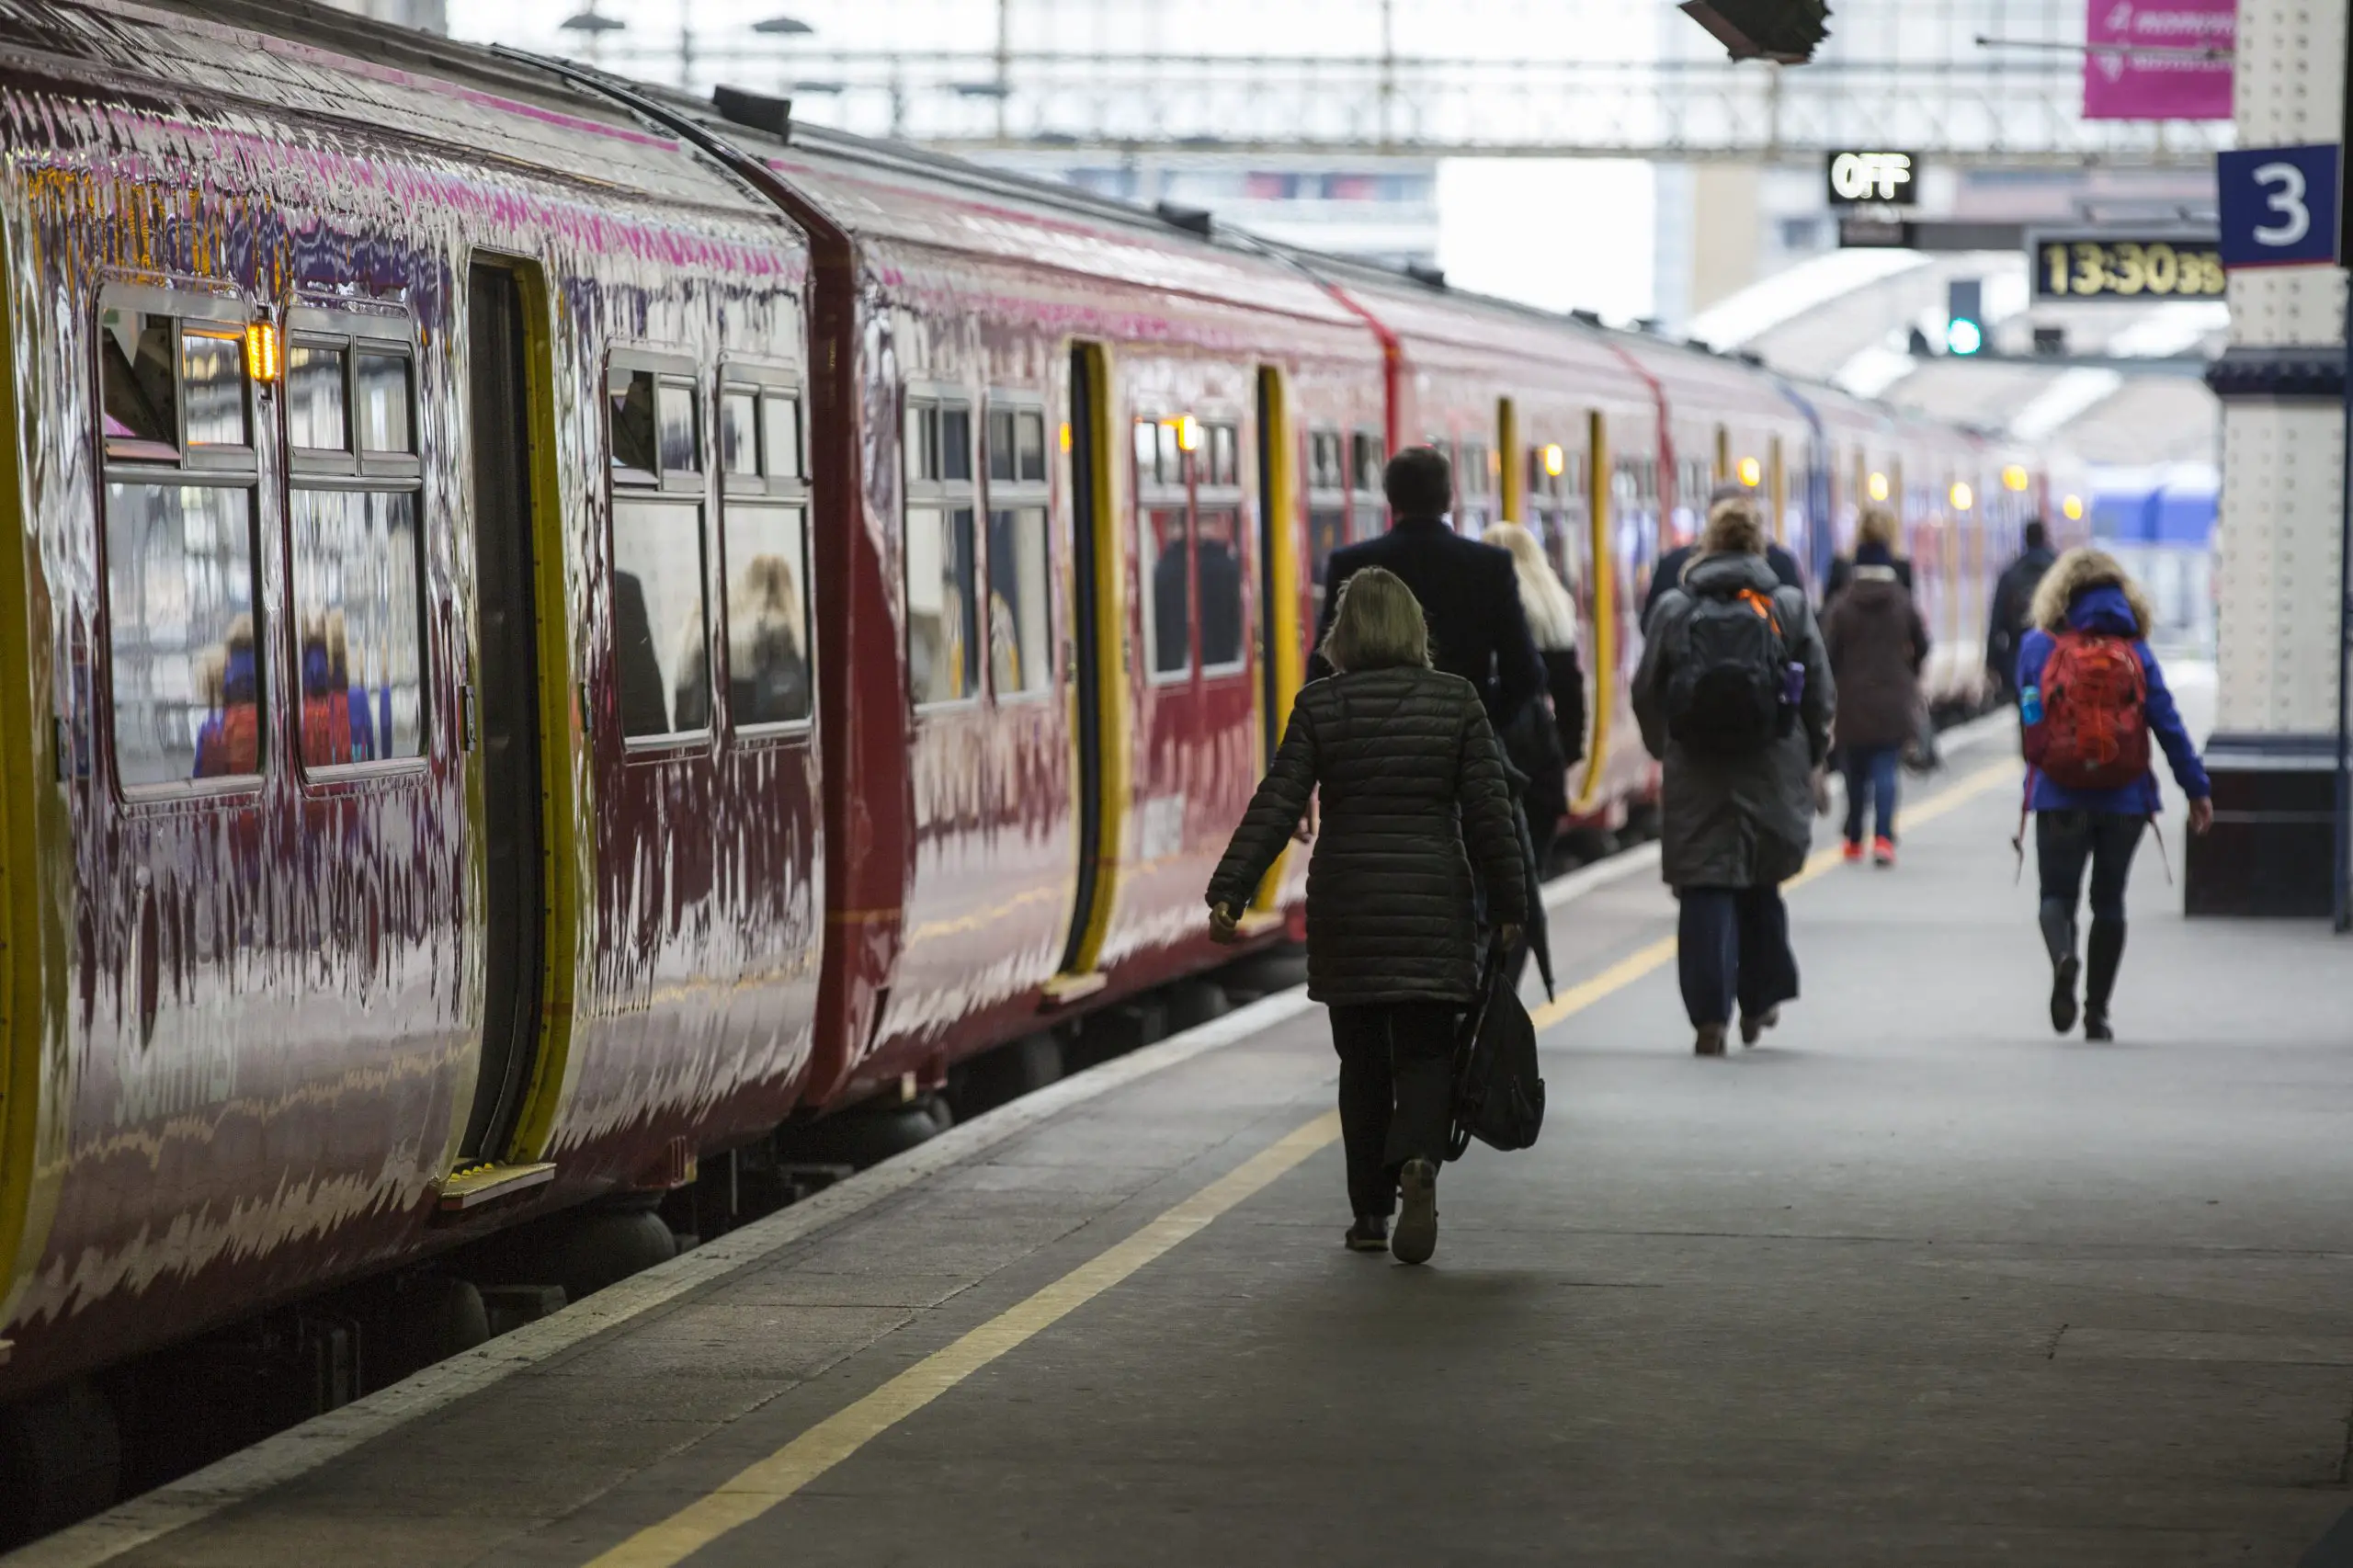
column 2059, row 936
column 2107, row 953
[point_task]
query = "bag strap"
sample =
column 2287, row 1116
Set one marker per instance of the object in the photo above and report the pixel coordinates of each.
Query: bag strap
column 2026, row 809
column 2164, row 859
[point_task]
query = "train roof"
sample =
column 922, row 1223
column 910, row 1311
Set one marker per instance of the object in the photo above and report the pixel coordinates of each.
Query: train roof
column 308, row 61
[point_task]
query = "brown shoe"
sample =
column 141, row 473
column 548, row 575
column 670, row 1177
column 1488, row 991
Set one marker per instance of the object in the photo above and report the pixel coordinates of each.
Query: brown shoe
column 1753, row 1029
column 1710, row 1041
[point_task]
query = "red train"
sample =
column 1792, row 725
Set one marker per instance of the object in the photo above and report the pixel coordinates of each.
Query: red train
column 554, row 630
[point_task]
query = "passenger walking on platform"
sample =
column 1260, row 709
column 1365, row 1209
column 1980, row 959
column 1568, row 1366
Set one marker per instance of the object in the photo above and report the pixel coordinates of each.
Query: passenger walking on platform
column 1412, row 779
column 2090, row 693
column 1468, row 594
column 1544, row 740
column 1734, row 695
column 1877, row 643
column 1671, row 566
column 2013, row 598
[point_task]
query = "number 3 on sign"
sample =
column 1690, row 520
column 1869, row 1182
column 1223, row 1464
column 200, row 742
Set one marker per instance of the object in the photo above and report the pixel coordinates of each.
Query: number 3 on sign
column 2283, row 186
column 2279, row 205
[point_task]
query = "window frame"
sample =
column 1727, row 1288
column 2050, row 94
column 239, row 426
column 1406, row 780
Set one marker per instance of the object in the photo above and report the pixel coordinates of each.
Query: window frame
column 943, row 496
column 212, row 304
column 359, row 327
column 674, row 488
column 1017, row 494
column 766, row 491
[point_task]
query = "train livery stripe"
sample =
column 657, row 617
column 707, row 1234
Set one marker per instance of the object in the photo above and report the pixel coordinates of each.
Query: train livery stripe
column 569, row 869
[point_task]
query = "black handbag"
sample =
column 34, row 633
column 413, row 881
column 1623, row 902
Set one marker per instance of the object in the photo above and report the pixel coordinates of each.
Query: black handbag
column 1498, row 1093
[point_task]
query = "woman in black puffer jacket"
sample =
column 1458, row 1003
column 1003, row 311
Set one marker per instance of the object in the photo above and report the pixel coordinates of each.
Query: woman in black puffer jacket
column 1410, row 773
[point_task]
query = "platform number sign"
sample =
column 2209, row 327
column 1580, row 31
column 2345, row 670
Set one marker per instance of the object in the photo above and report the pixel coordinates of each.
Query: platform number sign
column 2279, row 206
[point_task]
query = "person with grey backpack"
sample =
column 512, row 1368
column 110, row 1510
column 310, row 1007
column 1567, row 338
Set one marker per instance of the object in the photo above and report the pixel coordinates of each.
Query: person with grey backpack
column 1735, row 698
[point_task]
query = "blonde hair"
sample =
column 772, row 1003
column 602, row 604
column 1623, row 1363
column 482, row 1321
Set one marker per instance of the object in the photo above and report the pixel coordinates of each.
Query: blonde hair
column 2077, row 571
column 1551, row 614
column 1734, row 527
column 1878, row 526
column 1377, row 624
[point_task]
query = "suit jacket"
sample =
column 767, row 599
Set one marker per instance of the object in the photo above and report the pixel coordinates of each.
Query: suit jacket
column 1668, row 573
column 1469, row 597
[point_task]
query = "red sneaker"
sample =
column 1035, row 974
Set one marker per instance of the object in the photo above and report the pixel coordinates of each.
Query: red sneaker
column 1852, row 854
column 1883, row 852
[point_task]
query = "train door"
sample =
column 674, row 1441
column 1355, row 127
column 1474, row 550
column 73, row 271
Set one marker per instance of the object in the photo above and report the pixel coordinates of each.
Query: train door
column 504, row 703
column 1099, row 664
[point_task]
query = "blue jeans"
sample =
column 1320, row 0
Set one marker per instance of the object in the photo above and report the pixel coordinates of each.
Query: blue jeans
column 1871, row 778
column 1733, row 945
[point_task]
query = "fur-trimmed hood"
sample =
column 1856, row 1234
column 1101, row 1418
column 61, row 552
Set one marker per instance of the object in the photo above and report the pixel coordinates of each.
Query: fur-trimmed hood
column 2077, row 573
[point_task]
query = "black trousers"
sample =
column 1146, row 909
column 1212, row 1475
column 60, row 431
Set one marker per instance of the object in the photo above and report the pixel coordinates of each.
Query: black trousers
column 2065, row 842
column 1396, row 1093
column 1733, row 945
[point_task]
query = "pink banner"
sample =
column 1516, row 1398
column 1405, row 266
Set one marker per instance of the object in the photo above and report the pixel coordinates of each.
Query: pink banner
column 2173, row 79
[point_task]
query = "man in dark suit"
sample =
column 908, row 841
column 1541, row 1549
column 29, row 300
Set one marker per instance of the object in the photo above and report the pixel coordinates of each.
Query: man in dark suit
column 1669, row 570
column 1468, row 591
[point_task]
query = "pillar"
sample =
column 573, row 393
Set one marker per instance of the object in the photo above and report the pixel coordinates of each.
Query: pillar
column 2282, row 386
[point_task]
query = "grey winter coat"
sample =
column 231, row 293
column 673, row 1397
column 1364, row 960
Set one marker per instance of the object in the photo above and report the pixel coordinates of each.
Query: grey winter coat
column 1410, row 772
column 1748, row 821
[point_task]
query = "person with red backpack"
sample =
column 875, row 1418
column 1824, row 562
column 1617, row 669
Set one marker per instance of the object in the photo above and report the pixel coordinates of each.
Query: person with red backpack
column 2090, row 696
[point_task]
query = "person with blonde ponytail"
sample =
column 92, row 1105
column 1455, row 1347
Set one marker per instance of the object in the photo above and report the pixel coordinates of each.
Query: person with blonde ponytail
column 1545, row 740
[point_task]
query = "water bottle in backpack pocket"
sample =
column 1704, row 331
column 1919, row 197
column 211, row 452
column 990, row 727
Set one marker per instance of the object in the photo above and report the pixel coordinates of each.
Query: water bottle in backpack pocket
column 1728, row 695
column 2087, row 720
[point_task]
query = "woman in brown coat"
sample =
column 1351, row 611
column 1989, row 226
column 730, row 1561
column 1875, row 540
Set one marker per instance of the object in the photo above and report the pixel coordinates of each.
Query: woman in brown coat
column 1877, row 643
column 1412, row 785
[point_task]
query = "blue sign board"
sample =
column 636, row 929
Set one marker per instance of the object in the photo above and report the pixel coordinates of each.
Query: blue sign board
column 2279, row 206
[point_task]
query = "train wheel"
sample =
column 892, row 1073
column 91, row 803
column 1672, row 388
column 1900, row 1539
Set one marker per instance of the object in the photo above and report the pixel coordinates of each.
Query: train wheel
column 1003, row 1075
column 61, row 1459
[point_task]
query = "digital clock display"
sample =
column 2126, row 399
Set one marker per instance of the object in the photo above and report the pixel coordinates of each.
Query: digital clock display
column 2105, row 268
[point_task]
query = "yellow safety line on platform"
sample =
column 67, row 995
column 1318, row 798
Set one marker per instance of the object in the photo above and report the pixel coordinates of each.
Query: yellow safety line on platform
column 784, row 1472
column 775, row 1479
column 1635, row 965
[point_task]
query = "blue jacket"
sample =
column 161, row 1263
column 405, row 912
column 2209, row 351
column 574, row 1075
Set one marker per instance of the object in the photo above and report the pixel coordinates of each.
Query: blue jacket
column 2104, row 608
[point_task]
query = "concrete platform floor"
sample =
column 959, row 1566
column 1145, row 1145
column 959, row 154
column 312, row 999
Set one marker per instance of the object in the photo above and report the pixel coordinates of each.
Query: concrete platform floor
column 1915, row 1283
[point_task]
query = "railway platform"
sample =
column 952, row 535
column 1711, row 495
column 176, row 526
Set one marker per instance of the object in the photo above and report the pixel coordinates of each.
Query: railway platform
column 1914, row 1281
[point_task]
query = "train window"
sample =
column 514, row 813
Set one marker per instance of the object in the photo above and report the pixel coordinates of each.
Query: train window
column 1218, row 572
column 1168, row 603
column 1147, row 434
column 182, row 633
column 629, row 397
column 1325, row 469
column 1030, row 441
column 358, row 606
column 1224, row 442
column 674, row 408
column 185, row 646
column 1327, row 530
column 944, row 626
column 314, row 398
column 140, row 390
column 739, row 432
column 943, row 605
column 661, row 626
column 353, row 518
column 1019, row 562
column 1371, row 458
column 780, row 434
column 955, row 442
column 212, row 386
column 1020, row 655
column 383, row 401
column 767, row 615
